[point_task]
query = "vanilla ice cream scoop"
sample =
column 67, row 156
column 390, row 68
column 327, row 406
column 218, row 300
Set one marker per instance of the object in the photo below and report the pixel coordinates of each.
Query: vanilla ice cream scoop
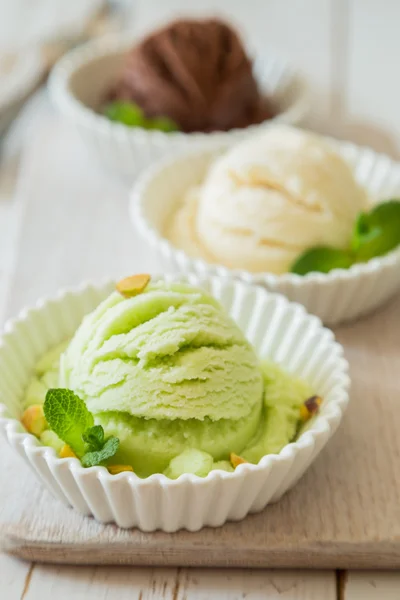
column 267, row 200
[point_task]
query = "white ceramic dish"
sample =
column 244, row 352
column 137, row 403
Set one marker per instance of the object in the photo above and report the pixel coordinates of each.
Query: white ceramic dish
column 341, row 295
column 278, row 329
column 82, row 79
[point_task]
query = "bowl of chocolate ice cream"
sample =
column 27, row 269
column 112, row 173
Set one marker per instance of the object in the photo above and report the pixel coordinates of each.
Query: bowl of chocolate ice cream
column 188, row 82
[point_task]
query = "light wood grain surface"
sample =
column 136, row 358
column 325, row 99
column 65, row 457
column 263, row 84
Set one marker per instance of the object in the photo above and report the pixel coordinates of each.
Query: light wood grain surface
column 29, row 581
column 339, row 515
column 352, row 75
column 69, row 204
column 64, row 583
column 372, row 88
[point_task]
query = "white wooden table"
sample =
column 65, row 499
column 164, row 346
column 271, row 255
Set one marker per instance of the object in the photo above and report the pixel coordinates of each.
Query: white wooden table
column 24, row 581
column 335, row 61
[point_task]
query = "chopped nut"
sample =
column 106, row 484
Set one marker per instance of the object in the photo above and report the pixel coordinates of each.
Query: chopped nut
column 236, row 460
column 304, row 414
column 133, row 285
column 33, row 419
column 115, row 469
column 310, row 407
column 67, row 452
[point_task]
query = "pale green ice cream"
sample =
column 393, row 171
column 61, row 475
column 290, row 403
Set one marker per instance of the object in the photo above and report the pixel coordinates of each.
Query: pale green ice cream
column 164, row 371
column 167, row 353
column 173, row 377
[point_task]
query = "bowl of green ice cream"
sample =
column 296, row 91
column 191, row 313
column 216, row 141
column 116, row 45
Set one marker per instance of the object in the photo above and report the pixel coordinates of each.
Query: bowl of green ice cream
column 181, row 388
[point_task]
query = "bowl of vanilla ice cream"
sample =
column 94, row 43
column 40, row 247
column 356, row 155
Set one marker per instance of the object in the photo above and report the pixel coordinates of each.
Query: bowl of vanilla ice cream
column 287, row 209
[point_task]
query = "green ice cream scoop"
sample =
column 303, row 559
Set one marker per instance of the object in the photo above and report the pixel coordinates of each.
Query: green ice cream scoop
column 166, row 368
column 168, row 353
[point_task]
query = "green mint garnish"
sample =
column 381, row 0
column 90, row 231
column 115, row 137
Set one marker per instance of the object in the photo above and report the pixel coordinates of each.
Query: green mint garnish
column 162, row 124
column 97, row 457
column 322, row 259
column 377, row 232
column 131, row 115
column 94, row 438
column 125, row 112
column 68, row 417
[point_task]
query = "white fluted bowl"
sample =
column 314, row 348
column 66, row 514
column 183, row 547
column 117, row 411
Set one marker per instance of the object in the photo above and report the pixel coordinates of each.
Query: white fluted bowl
column 82, row 79
column 341, row 295
column 279, row 330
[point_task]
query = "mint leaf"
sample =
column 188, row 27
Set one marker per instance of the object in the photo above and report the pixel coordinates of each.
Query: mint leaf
column 90, row 459
column 377, row 232
column 131, row 115
column 68, row 417
column 94, row 438
column 162, row 124
column 128, row 113
column 322, row 259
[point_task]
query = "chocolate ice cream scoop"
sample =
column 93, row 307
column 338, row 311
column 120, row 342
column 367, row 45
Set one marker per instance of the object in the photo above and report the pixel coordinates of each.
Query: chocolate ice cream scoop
column 196, row 73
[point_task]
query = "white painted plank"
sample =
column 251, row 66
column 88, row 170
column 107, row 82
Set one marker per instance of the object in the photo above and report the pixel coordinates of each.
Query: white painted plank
column 9, row 214
column 8, row 227
column 177, row 584
column 24, row 23
column 298, row 31
column 373, row 115
column 10, row 200
column 372, row 586
column 14, row 576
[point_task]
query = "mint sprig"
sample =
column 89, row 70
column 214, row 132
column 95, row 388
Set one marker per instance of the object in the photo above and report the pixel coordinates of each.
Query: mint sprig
column 127, row 113
column 130, row 114
column 322, row 259
column 94, row 438
column 375, row 233
column 68, row 416
column 97, row 457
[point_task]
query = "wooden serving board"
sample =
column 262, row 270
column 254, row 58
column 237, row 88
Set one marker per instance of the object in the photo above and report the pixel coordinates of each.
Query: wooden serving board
column 344, row 513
